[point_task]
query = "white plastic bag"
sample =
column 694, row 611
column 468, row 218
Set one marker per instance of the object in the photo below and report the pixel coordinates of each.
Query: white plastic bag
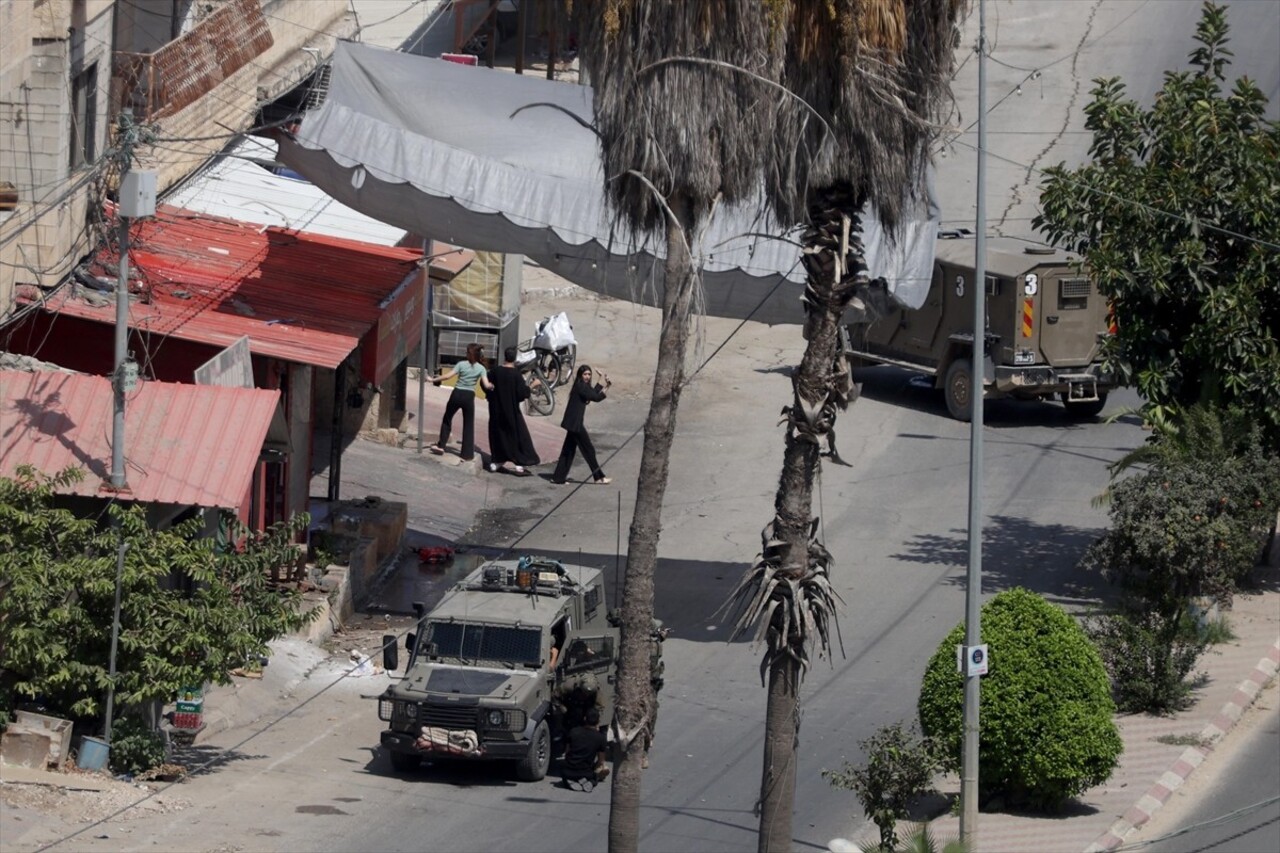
column 555, row 332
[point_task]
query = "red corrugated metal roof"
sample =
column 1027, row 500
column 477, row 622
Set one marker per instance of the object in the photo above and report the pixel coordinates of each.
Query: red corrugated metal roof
column 184, row 444
column 299, row 297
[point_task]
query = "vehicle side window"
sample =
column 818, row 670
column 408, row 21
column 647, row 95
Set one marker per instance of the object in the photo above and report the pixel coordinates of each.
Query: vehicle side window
column 589, row 653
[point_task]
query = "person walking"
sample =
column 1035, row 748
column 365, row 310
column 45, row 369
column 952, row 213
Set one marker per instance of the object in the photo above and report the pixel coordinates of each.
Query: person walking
column 463, row 398
column 509, row 439
column 576, row 437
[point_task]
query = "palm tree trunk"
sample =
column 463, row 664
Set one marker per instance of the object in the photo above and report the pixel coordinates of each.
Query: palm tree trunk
column 778, row 782
column 635, row 698
column 834, row 263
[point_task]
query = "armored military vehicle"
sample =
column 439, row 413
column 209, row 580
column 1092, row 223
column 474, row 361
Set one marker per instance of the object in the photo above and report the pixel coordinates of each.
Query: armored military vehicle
column 491, row 665
column 1045, row 326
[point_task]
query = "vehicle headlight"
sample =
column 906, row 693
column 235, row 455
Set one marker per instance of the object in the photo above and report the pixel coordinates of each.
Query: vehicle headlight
column 409, row 709
column 497, row 719
column 386, row 707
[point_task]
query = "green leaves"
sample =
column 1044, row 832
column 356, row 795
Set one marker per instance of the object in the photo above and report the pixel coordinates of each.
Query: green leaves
column 1178, row 216
column 189, row 613
column 1047, row 729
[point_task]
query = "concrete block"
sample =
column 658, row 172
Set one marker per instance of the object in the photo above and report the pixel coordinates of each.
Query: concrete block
column 25, row 747
column 58, row 730
column 362, row 568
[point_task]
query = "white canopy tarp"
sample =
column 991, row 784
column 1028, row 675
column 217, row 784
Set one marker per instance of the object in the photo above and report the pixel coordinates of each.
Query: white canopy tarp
column 491, row 161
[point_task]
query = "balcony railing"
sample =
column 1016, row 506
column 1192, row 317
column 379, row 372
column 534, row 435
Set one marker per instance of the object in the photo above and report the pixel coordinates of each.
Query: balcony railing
column 159, row 84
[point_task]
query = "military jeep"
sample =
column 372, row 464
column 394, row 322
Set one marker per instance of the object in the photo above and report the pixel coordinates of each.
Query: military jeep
column 479, row 683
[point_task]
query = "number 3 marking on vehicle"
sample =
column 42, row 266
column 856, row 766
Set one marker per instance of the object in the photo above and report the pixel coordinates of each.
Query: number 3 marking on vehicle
column 959, row 285
column 1032, row 284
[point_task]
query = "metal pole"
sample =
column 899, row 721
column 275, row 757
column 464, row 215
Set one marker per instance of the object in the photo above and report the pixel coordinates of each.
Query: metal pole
column 121, row 547
column 118, row 478
column 973, row 584
column 121, row 353
column 423, row 353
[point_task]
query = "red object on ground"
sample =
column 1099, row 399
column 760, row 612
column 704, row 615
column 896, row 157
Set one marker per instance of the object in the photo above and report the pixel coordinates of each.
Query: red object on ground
column 435, row 554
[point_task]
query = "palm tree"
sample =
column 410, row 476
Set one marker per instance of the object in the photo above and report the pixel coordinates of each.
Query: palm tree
column 676, row 139
column 876, row 72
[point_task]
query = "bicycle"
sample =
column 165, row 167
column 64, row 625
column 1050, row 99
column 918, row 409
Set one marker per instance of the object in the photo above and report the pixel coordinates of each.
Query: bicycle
column 556, row 348
column 542, row 398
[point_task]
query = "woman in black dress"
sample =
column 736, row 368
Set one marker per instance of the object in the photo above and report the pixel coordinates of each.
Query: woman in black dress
column 576, row 437
column 509, row 439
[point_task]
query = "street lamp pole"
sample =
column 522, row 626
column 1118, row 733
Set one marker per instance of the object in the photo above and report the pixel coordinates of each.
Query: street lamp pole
column 977, row 376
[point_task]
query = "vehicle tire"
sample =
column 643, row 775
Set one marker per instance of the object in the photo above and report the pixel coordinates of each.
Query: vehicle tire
column 957, row 386
column 549, row 364
column 533, row 767
column 542, row 399
column 1084, row 408
column 403, row 762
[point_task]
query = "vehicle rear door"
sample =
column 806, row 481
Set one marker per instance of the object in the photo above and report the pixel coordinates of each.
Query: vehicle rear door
column 1072, row 315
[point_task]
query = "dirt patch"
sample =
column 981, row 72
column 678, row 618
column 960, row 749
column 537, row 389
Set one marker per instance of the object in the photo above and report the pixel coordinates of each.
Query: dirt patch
column 74, row 806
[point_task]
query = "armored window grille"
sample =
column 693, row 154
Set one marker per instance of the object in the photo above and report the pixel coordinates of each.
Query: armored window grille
column 1073, row 294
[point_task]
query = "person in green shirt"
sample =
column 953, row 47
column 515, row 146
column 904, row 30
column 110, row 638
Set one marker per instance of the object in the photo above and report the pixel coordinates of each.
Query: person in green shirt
column 463, row 399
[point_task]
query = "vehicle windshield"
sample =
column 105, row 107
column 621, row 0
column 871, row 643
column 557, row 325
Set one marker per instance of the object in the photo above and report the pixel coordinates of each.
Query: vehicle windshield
column 484, row 643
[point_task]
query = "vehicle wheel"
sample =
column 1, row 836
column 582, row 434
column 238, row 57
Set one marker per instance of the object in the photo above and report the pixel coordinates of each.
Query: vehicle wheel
column 542, row 400
column 549, row 364
column 1084, row 408
column 533, row 767
column 957, row 387
column 403, row 762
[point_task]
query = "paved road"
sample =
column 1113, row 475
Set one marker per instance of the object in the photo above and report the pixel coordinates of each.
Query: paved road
column 895, row 519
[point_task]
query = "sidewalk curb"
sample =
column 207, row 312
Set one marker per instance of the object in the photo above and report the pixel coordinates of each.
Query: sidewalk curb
column 1158, row 794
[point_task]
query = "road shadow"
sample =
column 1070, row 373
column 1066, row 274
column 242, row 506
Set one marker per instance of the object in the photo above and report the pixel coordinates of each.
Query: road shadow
column 201, row 759
column 902, row 388
column 690, row 592
column 1016, row 552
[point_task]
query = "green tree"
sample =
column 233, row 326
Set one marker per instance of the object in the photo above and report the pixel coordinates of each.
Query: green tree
column 190, row 611
column 900, row 768
column 1047, row 727
column 1178, row 216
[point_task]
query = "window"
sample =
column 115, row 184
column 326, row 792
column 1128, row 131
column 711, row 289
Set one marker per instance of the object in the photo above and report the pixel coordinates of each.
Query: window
column 1073, row 294
column 84, row 115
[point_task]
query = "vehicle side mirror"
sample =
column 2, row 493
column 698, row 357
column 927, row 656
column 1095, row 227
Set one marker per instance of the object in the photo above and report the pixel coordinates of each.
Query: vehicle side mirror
column 390, row 653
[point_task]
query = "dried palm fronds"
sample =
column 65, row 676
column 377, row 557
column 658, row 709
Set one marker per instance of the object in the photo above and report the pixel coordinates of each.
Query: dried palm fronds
column 791, row 609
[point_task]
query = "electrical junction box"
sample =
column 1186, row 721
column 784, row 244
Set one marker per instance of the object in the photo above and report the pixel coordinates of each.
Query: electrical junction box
column 138, row 194
column 129, row 376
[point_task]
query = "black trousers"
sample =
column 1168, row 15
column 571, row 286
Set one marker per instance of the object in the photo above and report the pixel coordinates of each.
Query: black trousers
column 464, row 401
column 573, row 442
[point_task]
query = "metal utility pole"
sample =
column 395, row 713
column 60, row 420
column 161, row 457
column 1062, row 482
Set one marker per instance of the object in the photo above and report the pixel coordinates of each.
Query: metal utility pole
column 136, row 198
column 973, row 584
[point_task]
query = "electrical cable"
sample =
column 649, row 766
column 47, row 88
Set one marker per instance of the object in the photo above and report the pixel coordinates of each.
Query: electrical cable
column 1221, row 820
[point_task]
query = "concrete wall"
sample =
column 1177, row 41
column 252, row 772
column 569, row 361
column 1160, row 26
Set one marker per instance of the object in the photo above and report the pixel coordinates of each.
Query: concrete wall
column 43, row 46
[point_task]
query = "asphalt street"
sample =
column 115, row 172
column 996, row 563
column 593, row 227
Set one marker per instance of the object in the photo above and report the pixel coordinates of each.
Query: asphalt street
column 895, row 519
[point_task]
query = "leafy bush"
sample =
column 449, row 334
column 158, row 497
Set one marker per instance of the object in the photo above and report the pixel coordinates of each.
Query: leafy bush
column 900, row 767
column 918, row 840
column 1047, row 732
column 135, row 747
column 1148, row 659
column 1188, row 528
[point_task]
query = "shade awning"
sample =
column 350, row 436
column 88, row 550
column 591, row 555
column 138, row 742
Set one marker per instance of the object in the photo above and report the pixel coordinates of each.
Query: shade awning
column 189, row 445
column 496, row 162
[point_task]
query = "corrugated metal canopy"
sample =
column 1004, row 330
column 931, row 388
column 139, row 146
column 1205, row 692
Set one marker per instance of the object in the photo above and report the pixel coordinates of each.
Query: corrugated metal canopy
column 190, row 445
column 299, row 297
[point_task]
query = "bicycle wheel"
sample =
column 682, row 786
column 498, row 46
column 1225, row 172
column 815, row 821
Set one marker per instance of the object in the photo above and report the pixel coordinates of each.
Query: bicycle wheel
column 549, row 364
column 541, row 401
column 568, row 361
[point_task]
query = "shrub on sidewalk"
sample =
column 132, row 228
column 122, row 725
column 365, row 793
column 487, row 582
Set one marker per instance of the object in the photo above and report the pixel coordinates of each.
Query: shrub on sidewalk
column 900, row 768
column 1148, row 659
column 1047, row 728
column 135, row 747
